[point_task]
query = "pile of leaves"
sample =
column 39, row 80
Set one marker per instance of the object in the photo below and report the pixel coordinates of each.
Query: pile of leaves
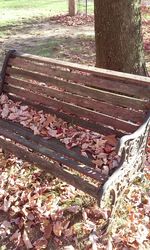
column 40, row 212
column 100, row 148
column 79, row 19
column 35, row 207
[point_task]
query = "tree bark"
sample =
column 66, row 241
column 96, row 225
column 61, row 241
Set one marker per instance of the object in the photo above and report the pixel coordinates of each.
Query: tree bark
column 72, row 7
column 118, row 37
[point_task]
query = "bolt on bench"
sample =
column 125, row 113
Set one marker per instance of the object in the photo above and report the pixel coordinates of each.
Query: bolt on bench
column 100, row 100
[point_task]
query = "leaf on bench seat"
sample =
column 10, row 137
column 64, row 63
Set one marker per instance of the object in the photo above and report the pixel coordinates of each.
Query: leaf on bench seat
column 5, row 111
column 3, row 99
column 99, row 148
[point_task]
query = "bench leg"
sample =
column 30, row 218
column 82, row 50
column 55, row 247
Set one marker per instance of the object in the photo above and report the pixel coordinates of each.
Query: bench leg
column 132, row 150
column 113, row 190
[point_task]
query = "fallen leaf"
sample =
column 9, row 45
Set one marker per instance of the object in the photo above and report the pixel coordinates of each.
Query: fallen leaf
column 3, row 99
column 52, row 132
column 73, row 209
column 70, row 247
column 47, row 231
column 6, row 225
column 40, row 243
column 57, row 228
column 26, row 240
column 5, row 111
column 15, row 236
column 7, row 204
column 98, row 162
column 111, row 140
column 12, row 117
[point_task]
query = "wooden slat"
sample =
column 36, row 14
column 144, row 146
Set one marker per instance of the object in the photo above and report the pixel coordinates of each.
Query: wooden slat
column 105, row 73
column 38, row 147
column 48, row 167
column 54, row 144
column 102, row 107
column 105, row 96
column 72, row 109
column 130, row 89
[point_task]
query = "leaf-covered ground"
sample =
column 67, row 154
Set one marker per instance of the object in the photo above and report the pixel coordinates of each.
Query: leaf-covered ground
column 39, row 211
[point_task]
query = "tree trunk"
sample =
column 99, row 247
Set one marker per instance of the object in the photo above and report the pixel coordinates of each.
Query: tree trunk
column 119, row 44
column 72, row 7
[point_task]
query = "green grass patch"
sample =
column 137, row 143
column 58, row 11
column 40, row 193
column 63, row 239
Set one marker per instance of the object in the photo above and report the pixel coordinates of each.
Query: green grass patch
column 71, row 49
column 15, row 12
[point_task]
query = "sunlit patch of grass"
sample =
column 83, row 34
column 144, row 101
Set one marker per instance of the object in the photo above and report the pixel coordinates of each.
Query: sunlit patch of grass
column 16, row 12
column 71, row 49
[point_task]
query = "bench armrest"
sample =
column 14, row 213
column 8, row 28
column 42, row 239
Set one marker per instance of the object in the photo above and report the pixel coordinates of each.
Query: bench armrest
column 132, row 152
column 4, row 67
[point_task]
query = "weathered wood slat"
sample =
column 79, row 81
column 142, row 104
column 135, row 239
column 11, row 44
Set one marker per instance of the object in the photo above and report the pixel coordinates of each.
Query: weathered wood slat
column 38, row 147
column 54, row 144
column 115, row 99
column 73, row 109
column 130, row 89
column 108, row 74
column 102, row 107
column 51, row 168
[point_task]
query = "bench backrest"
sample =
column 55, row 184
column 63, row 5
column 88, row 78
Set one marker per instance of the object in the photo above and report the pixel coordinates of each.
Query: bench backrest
column 103, row 100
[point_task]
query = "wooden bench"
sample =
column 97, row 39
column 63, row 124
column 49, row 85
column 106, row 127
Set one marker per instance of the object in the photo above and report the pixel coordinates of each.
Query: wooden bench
column 104, row 101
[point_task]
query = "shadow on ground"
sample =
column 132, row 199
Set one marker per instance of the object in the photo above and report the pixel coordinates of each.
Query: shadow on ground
column 49, row 39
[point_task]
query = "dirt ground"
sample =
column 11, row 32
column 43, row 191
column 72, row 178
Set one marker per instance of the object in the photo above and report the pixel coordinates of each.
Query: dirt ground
column 72, row 40
column 51, row 39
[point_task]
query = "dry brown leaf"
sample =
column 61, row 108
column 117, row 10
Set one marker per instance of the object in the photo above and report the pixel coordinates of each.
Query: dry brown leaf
column 26, row 240
column 12, row 117
column 35, row 130
column 5, row 111
column 7, row 204
column 84, row 154
column 3, row 233
column 16, row 235
column 84, row 214
column 30, row 216
column 57, row 228
column 111, row 140
column 70, row 247
column 6, row 225
column 73, row 209
column 98, row 162
column 24, row 108
column 40, row 243
column 108, row 149
column 49, row 119
column 3, row 99
column 52, row 132
column 105, row 170
column 47, row 231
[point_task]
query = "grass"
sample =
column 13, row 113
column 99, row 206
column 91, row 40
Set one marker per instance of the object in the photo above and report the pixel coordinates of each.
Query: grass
column 16, row 12
column 68, row 49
